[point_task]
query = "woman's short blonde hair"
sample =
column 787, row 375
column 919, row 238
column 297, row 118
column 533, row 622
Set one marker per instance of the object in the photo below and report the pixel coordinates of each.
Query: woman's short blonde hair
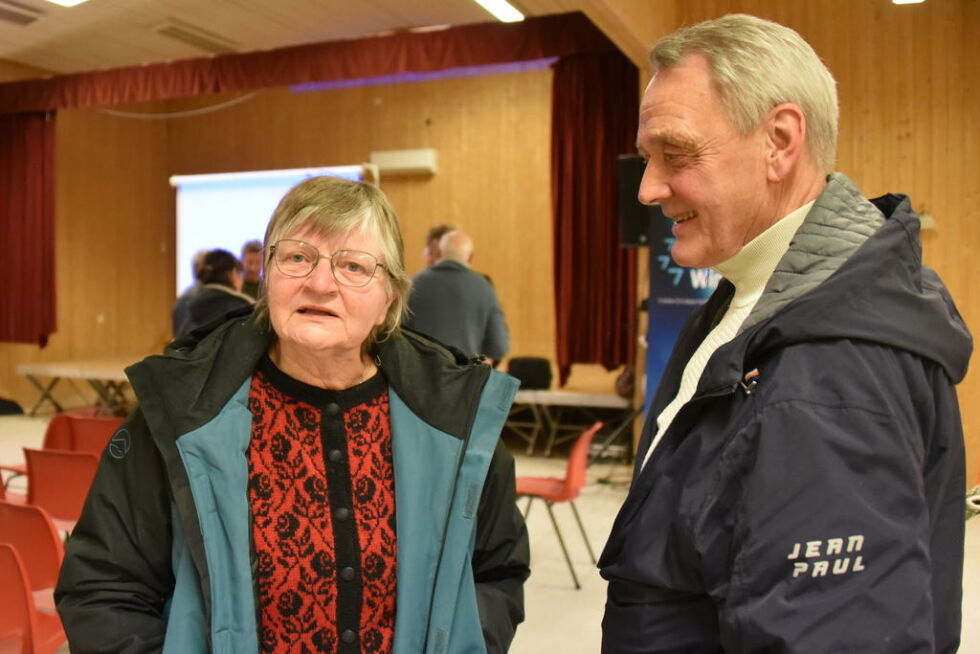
column 757, row 65
column 328, row 207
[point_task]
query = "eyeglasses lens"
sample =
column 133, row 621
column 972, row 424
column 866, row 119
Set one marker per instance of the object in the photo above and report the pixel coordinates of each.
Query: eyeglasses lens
column 350, row 267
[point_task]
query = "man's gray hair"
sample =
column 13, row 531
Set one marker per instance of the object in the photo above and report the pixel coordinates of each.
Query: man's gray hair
column 757, row 65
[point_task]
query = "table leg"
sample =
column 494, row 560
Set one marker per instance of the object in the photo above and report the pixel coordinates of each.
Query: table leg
column 551, row 423
column 45, row 394
column 111, row 398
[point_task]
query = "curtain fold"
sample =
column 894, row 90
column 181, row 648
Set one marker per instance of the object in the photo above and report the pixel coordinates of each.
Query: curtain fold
column 465, row 45
column 27, row 295
column 594, row 119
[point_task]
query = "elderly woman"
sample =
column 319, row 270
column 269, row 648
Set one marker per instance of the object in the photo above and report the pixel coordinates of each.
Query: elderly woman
column 309, row 478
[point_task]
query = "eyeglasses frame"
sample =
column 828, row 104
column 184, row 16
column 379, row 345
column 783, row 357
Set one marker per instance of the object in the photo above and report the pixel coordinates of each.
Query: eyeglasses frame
column 329, row 257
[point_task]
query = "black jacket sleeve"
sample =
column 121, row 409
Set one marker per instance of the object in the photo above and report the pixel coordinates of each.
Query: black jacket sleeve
column 501, row 558
column 116, row 575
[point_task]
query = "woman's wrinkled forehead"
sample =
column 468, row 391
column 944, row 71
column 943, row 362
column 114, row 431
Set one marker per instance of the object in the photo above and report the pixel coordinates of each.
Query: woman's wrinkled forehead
column 327, row 227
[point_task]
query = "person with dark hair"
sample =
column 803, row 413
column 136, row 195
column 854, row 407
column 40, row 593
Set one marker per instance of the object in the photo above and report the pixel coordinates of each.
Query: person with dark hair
column 180, row 317
column 252, row 269
column 219, row 294
column 432, row 253
column 300, row 477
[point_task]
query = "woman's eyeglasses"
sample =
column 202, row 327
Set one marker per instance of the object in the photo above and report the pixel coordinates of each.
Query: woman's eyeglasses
column 349, row 267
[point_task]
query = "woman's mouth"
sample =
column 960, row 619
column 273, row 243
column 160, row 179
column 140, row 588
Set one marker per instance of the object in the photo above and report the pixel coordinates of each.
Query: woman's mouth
column 687, row 215
column 314, row 311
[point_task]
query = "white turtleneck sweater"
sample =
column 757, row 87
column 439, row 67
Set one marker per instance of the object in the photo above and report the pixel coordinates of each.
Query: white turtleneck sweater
column 749, row 271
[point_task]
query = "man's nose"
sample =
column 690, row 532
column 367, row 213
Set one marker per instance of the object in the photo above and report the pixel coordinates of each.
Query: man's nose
column 653, row 185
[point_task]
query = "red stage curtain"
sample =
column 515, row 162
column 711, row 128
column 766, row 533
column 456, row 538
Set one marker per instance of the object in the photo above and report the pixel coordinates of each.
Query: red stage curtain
column 27, row 298
column 594, row 119
column 466, row 45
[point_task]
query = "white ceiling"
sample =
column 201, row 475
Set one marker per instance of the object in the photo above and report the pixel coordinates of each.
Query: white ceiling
column 111, row 33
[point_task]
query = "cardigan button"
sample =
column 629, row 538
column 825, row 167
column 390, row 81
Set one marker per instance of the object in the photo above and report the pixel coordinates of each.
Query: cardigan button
column 342, row 513
column 348, row 636
column 334, row 456
column 347, row 574
column 333, row 409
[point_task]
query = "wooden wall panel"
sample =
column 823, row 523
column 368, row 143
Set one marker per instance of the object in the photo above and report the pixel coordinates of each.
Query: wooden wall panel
column 908, row 78
column 492, row 134
column 113, row 226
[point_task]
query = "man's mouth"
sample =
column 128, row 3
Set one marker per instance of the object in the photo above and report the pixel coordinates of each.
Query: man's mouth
column 687, row 215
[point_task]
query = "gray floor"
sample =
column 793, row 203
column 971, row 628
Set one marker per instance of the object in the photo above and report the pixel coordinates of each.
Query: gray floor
column 561, row 619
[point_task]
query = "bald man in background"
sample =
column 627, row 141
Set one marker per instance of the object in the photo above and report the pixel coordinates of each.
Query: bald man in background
column 457, row 306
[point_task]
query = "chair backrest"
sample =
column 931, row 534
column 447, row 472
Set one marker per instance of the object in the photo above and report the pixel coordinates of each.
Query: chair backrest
column 30, row 530
column 532, row 372
column 58, row 481
column 578, row 460
column 92, row 433
column 18, row 625
column 57, row 435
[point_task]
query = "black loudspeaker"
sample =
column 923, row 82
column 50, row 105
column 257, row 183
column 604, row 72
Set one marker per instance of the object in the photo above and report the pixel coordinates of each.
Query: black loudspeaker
column 635, row 219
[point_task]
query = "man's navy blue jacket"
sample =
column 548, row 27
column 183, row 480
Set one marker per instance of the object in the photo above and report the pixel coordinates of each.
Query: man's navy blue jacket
column 818, row 507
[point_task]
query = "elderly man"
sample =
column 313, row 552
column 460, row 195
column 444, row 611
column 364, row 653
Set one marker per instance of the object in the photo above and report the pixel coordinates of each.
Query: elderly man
column 799, row 484
column 456, row 305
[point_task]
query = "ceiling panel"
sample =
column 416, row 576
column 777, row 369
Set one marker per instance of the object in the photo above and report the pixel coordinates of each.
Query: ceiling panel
column 111, row 33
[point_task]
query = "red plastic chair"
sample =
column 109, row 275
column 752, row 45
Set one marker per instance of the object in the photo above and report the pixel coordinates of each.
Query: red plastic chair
column 12, row 497
column 57, row 436
column 91, row 433
column 30, row 530
column 23, row 629
column 76, row 430
column 553, row 490
column 58, row 482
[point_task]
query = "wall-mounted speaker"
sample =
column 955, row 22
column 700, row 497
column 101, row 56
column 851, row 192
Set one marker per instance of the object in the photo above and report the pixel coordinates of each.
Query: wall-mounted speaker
column 635, row 219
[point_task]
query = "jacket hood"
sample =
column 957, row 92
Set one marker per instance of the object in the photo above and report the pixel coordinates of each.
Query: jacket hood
column 185, row 387
column 882, row 294
column 853, row 270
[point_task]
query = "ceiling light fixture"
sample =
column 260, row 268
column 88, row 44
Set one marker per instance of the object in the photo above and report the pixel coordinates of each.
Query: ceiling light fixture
column 501, row 10
column 67, row 3
column 907, row 2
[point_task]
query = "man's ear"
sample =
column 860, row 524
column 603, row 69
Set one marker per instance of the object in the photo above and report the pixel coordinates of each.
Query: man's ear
column 785, row 140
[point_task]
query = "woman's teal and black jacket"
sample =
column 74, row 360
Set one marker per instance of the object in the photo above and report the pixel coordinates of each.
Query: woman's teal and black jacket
column 161, row 559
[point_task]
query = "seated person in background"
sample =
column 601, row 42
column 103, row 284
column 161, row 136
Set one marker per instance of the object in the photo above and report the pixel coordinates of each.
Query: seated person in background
column 252, row 268
column 180, row 316
column 221, row 281
column 457, row 306
column 300, row 477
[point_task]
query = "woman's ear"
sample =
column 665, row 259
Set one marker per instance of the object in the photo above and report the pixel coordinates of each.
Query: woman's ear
column 786, row 140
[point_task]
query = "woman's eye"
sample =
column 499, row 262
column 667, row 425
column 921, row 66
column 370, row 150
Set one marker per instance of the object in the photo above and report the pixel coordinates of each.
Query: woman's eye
column 352, row 266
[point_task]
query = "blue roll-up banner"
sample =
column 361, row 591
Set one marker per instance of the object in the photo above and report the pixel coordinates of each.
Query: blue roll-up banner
column 675, row 292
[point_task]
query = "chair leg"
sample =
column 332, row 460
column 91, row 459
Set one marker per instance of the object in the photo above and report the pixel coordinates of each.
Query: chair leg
column 581, row 528
column 527, row 507
column 564, row 550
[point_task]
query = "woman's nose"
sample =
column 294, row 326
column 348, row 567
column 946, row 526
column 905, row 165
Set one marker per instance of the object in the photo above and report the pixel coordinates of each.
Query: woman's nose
column 321, row 279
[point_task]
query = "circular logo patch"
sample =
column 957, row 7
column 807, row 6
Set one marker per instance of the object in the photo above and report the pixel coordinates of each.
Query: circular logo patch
column 119, row 444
